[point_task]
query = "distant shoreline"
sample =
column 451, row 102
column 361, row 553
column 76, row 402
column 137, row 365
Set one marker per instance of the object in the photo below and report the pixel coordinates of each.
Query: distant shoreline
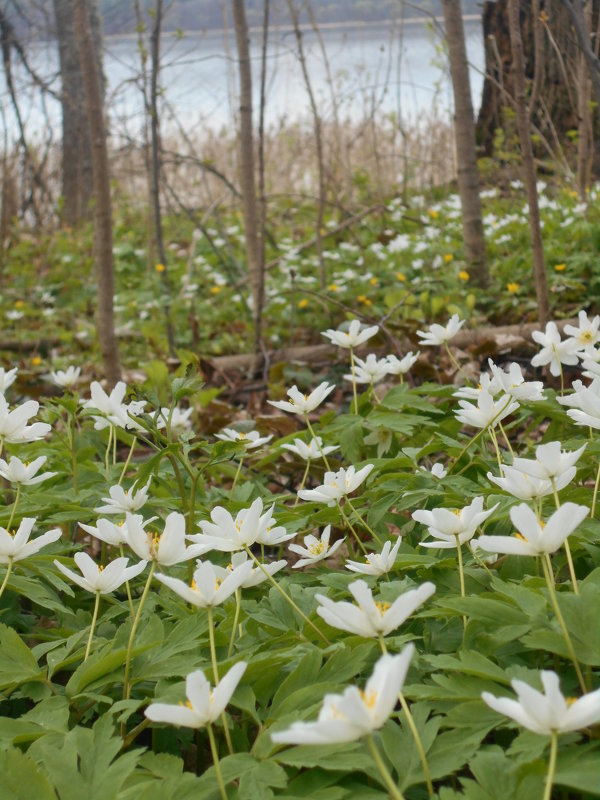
column 383, row 23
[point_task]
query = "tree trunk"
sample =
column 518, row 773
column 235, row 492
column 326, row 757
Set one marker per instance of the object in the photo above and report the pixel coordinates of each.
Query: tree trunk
column 254, row 240
column 76, row 142
column 529, row 176
column 464, row 126
column 101, row 190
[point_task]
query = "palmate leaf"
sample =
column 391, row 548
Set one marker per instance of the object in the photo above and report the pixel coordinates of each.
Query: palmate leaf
column 22, row 779
column 85, row 763
column 17, row 662
column 49, row 716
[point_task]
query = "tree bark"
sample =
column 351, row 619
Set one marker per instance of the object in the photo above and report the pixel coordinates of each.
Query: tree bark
column 528, row 164
column 464, row 127
column 103, row 239
column 254, row 240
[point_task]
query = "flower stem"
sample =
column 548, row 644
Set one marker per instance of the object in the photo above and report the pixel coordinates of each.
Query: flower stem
column 71, row 430
column 387, row 778
column 352, row 369
column 92, row 626
column 126, row 464
column 497, row 449
column 461, row 573
column 561, row 620
column 238, row 598
column 551, row 765
column 304, row 477
column 136, row 619
column 351, row 528
column 6, row 577
column 216, row 762
column 567, row 547
column 413, row 729
column 213, row 658
column 478, row 435
column 14, row 508
column 364, row 523
column 316, row 438
column 235, row 480
column 456, row 364
column 593, row 511
column 506, row 439
column 283, row 593
column 127, row 587
column 107, row 454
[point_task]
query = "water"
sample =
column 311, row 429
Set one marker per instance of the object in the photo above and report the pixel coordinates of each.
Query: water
column 374, row 71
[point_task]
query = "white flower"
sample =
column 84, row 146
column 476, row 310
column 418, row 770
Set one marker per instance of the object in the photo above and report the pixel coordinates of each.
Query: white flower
column 438, row 334
column 250, row 440
column 534, row 538
column 488, row 412
column 249, row 527
column 16, row 546
column 65, row 378
column 377, row 563
column 370, row 618
column 315, row 549
column 25, row 474
column 166, row 548
column 203, row 705
column 7, row 378
column 112, row 408
column 585, row 403
column 102, row 580
column 311, row 451
column 401, row 366
column 303, row 403
column 210, row 586
column 13, row 424
column 336, row 485
column 437, row 470
column 448, row 526
column 369, row 370
column 554, row 351
column 258, row 574
column 550, row 463
column 513, row 383
column 587, row 334
column 349, row 716
column 487, row 384
column 549, row 711
column 120, row 500
column 180, row 419
column 353, row 337
column 527, row 487
column 113, row 533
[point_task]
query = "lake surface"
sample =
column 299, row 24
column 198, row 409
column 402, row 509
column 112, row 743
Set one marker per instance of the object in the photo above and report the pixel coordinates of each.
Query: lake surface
column 380, row 70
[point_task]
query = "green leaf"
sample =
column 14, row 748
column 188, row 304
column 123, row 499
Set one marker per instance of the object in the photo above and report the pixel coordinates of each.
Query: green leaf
column 22, row 779
column 17, row 662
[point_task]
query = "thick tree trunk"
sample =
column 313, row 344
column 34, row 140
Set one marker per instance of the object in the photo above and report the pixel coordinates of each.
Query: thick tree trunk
column 529, row 176
column 101, row 189
column 76, row 142
column 464, row 127
column 254, row 240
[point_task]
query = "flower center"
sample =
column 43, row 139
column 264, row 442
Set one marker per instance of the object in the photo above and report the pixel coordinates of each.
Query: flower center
column 317, row 549
column 382, row 607
column 369, row 699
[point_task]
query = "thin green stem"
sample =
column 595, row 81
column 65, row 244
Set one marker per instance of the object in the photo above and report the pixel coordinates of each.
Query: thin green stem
column 561, row 621
column 304, row 477
column 351, row 529
column 284, row 594
column 352, row 368
column 506, row 439
column 316, row 438
column 562, row 377
column 593, row 511
column 238, row 603
column 114, row 446
column 461, row 573
column 478, row 435
column 127, row 587
column 92, row 626
column 216, row 762
column 237, row 475
column 387, row 778
column 497, row 449
column 73, row 452
column 213, row 658
column 6, row 577
column 14, row 508
column 364, row 523
column 136, row 619
column 457, row 365
column 551, row 765
column 567, row 546
column 107, row 454
column 126, row 464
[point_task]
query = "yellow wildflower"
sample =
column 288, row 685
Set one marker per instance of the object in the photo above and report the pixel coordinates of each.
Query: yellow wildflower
column 512, row 287
column 401, row 276
column 433, row 213
column 362, row 298
column 36, row 361
column 159, row 267
column 463, row 275
column 560, row 267
column 215, row 289
column 302, row 303
column 373, row 281
column 333, row 287
column 448, row 257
